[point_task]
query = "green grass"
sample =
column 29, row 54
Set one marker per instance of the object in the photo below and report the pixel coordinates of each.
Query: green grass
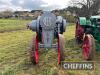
column 14, row 57
column 12, row 25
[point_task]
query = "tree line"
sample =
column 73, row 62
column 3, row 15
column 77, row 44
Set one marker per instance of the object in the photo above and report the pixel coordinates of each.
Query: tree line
column 85, row 7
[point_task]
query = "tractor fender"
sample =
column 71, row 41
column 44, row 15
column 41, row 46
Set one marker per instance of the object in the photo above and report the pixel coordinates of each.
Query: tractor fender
column 82, row 20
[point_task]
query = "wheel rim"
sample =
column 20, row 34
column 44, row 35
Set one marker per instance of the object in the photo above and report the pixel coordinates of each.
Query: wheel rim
column 61, row 45
column 79, row 31
column 58, row 51
column 36, row 50
column 86, row 48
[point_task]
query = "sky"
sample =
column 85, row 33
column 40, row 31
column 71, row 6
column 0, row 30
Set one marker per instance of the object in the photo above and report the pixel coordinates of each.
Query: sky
column 19, row 5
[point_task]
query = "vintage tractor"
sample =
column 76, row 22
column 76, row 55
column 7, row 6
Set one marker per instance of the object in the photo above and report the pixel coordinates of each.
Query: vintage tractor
column 88, row 33
column 48, row 27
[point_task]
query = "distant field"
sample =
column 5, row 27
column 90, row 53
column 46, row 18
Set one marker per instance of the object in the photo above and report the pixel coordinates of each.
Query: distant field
column 12, row 25
column 14, row 57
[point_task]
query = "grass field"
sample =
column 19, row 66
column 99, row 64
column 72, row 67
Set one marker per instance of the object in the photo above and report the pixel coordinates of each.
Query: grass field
column 12, row 25
column 14, row 57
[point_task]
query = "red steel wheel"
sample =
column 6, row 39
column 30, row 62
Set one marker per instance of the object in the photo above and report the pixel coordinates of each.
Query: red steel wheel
column 79, row 33
column 34, row 54
column 61, row 45
column 88, row 47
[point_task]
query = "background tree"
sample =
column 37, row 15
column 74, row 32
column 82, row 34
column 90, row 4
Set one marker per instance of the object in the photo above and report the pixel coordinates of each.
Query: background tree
column 87, row 7
column 7, row 13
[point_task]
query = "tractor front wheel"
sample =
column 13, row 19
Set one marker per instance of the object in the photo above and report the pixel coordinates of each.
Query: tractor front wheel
column 61, row 44
column 33, row 50
column 88, row 47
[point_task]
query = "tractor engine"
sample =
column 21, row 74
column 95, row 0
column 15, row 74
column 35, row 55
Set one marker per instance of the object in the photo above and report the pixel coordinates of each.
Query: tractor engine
column 47, row 27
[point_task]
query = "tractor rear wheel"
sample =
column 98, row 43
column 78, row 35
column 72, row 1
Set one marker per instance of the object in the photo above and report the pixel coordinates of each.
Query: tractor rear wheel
column 88, row 47
column 61, row 44
column 79, row 33
column 33, row 50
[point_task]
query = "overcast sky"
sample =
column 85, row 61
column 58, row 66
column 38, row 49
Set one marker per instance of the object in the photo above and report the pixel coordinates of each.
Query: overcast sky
column 32, row 4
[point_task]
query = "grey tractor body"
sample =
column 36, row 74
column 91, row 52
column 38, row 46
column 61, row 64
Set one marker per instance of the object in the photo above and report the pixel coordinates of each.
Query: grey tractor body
column 48, row 26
